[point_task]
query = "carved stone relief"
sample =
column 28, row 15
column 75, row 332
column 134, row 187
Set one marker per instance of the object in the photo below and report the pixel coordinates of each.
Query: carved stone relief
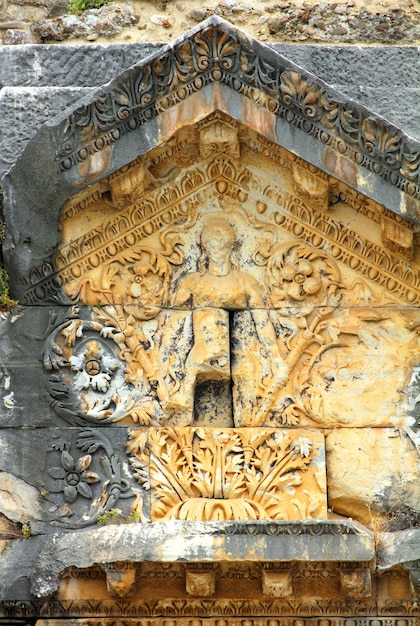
column 231, row 474
column 227, row 317
column 231, row 279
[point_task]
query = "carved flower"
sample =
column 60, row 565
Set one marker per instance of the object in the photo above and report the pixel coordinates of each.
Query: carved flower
column 93, row 368
column 299, row 281
column 73, row 478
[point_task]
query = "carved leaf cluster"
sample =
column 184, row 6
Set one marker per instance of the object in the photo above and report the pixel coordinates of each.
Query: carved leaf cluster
column 202, row 474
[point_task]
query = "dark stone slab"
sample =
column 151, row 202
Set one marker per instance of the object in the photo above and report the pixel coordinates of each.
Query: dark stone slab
column 398, row 547
column 378, row 66
column 23, row 377
column 24, row 110
column 68, row 65
column 59, row 479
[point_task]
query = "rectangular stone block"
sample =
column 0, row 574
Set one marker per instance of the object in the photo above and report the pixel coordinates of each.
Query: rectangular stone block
column 204, row 474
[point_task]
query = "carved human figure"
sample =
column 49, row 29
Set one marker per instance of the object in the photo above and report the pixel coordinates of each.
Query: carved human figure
column 215, row 292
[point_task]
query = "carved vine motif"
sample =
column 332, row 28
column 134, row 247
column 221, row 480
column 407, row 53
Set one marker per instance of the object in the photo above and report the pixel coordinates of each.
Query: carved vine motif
column 202, row 474
column 212, row 281
column 219, row 53
column 87, row 494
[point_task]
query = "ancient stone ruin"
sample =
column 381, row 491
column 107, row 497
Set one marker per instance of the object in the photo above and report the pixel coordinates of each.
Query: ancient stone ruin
column 209, row 387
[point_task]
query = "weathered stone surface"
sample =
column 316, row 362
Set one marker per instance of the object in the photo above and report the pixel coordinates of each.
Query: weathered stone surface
column 399, row 547
column 211, row 267
column 69, row 66
column 351, row 67
column 18, row 500
column 373, row 473
column 71, row 477
column 24, row 109
column 44, row 558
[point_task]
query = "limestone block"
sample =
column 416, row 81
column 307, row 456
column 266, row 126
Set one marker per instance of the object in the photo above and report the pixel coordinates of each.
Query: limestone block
column 372, row 471
column 19, row 501
column 65, row 478
column 401, row 546
column 203, row 474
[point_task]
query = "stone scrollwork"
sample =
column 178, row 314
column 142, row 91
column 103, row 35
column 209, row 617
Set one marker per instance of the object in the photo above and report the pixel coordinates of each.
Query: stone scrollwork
column 216, row 299
column 86, row 379
column 221, row 54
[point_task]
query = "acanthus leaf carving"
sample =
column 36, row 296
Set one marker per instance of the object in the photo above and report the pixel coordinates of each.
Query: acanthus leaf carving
column 201, row 474
column 219, row 54
column 215, row 280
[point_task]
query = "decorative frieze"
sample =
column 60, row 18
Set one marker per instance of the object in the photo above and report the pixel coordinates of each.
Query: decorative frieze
column 221, row 54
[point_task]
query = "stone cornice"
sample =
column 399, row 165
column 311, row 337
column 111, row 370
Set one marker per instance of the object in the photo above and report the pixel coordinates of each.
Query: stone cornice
column 216, row 52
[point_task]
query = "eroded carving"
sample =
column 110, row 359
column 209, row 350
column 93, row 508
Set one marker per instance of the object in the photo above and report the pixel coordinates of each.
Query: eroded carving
column 200, row 581
column 81, row 495
column 277, row 584
column 120, row 579
column 355, row 583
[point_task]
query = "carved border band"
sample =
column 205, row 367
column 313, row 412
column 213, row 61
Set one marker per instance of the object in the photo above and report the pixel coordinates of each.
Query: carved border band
column 216, row 621
column 219, row 53
column 272, row 613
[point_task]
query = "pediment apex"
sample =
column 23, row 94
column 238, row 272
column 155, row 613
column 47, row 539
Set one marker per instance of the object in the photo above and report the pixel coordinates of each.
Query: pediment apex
column 353, row 143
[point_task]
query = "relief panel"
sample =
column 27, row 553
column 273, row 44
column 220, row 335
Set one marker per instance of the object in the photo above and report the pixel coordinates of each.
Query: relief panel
column 224, row 292
column 196, row 474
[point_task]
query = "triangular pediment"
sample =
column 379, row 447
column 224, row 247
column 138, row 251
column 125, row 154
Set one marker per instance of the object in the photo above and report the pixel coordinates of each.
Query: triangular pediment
column 214, row 67
column 217, row 54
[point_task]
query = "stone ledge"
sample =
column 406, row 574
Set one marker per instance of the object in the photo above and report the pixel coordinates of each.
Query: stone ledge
column 44, row 558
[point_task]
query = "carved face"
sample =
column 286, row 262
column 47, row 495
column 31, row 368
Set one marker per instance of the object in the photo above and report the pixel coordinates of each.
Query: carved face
column 217, row 239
